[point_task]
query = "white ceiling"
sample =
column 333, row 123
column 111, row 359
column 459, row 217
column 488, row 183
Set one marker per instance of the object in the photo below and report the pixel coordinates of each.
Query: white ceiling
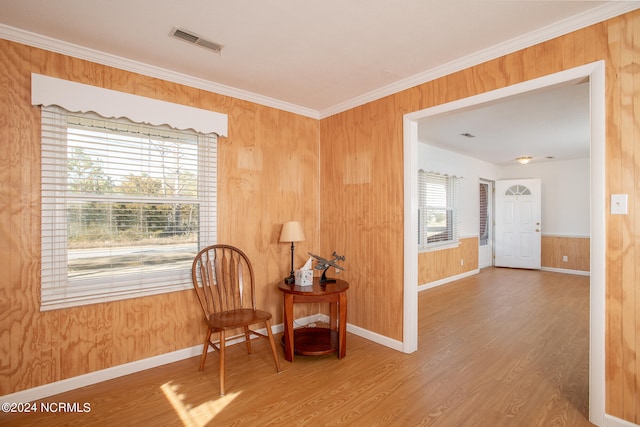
column 314, row 58
column 549, row 124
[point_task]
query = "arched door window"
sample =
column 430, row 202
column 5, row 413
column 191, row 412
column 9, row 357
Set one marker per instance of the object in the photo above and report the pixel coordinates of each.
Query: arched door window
column 517, row 190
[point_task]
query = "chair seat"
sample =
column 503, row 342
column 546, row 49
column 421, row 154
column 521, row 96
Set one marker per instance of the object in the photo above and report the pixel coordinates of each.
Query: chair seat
column 236, row 318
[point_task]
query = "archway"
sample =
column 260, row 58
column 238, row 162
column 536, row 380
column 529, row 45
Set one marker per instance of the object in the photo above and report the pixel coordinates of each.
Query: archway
column 595, row 74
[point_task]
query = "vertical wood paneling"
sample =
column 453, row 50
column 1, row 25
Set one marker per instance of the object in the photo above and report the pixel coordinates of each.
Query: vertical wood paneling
column 441, row 264
column 361, row 211
column 352, row 212
column 576, row 249
column 615, row 227
column 630, row 126
column 268, row 175
column 629, row 237
column 622, row 295
column 635, row 108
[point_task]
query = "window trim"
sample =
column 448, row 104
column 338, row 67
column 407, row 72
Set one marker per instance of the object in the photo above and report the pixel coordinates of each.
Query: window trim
column 453, row 205
column 77, row 97
column 57, row 290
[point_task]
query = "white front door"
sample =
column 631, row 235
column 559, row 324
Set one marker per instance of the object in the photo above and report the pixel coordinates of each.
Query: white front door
column 518, row 229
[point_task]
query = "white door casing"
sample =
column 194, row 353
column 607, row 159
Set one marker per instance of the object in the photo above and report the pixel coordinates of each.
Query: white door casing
column 518, row 225
column 595, row 73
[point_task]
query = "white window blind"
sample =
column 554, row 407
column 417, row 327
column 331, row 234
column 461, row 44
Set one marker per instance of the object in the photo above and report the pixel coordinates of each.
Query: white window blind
column 125, row 207
column 438, row 209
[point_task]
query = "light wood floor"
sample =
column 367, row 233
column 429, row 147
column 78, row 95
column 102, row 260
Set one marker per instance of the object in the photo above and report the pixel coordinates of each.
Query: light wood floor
column 502, row 348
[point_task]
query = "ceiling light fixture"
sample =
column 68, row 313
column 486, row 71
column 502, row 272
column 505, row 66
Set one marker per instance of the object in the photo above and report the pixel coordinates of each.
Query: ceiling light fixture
column 524, row 160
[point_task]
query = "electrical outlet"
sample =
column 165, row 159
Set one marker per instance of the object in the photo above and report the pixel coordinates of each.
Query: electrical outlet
column 565, row 258
column 461, row 261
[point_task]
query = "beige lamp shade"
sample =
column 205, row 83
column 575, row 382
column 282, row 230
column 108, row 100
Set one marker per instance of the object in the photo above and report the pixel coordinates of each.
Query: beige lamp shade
column 292, row 232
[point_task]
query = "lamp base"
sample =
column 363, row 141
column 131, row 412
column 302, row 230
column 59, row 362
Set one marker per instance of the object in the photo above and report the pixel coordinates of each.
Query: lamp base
column 290, row 280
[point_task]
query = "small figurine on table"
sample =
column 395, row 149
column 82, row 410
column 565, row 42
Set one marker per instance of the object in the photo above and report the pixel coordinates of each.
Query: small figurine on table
column 324, row 264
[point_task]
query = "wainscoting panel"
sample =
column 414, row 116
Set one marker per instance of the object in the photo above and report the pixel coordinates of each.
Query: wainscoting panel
column 440, row 264
column 575, row 249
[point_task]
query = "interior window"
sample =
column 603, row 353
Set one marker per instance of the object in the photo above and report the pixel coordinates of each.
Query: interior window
column 437, row 214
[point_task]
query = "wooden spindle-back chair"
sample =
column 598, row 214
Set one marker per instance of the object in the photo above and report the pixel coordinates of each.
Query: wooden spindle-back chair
column 224, row 282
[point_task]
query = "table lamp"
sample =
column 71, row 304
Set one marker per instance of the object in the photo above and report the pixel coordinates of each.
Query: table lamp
column 291, row 232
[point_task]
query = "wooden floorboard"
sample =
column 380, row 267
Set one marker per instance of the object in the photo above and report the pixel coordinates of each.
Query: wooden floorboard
column 501, row 348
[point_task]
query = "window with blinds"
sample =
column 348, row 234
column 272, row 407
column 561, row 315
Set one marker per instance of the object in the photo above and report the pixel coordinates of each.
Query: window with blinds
column 437, row 210
column 125, row 207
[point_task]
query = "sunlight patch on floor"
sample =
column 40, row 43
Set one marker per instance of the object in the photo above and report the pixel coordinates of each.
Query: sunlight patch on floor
column 200, row 415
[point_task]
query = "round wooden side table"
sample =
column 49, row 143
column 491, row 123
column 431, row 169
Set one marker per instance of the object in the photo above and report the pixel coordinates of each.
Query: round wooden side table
column 315, row 341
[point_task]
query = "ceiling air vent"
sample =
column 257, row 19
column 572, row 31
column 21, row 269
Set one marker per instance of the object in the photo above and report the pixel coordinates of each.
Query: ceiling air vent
column 193, row 38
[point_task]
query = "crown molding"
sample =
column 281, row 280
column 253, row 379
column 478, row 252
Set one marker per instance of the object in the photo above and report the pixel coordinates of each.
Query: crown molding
column 549, row 32
column 568, row 25
column 81, row 52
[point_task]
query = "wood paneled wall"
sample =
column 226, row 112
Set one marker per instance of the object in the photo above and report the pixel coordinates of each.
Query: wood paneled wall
column 438, row 265
column 362, row 187
column 268, row 159
column 576, row 249
column 268, row 174
column 362, row 210
column 623, row 231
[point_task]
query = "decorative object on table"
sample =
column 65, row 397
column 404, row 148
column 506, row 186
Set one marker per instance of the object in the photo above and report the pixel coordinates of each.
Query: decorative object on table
column 304, row 275
column 291, row 232
column 324, row 264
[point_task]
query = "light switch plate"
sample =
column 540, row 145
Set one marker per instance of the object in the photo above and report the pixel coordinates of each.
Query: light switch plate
column 619, row 204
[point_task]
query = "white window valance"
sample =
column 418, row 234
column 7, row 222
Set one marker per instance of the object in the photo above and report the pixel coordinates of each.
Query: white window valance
column 79, row 97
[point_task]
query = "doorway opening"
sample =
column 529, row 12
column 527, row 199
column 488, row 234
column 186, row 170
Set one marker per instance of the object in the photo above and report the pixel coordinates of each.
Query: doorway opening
column 485, row 223
column 594, row 74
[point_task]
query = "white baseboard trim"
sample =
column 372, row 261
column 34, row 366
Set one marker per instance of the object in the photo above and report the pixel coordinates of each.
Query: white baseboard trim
column 68, row 384
column 447, row 280
column 91, row 378
column 567, row 271
column 611, row 421
column 369, row 335
column 40, row 392
column 305, row 321
column 375, row 337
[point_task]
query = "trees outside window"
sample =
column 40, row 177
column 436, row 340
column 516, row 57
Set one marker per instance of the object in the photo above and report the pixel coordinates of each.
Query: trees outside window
column 125, row 207
column 437, row 211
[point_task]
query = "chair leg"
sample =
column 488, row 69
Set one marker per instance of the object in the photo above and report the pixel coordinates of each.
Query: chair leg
column 205, row 349
column 273, row 344
column 247, row 338
column 222, row 346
